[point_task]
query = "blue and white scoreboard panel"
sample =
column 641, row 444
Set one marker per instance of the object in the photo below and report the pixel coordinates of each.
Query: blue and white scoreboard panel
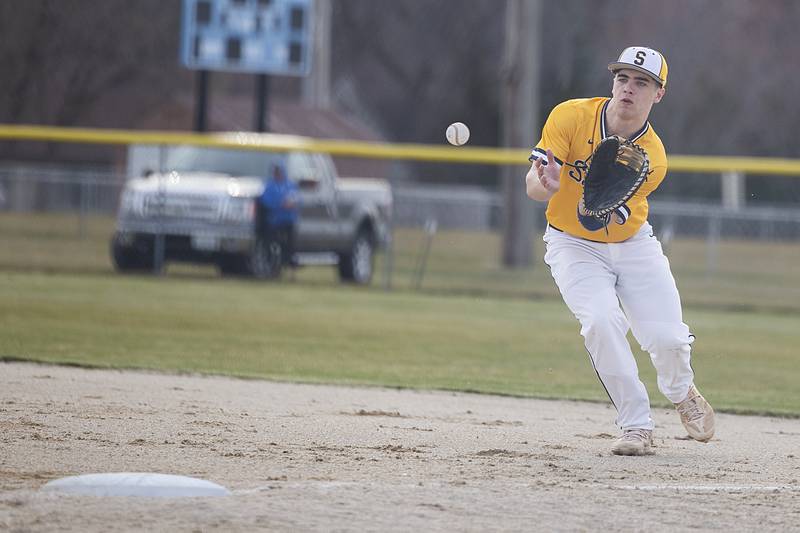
column 258, row 36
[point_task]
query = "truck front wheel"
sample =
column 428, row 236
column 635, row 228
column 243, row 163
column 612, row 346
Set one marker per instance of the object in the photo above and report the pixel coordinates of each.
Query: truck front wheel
column 128, row 257
column 265, row 259
column 357, row 264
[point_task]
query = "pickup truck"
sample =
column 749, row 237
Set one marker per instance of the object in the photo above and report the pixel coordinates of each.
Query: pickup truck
column 202, row 208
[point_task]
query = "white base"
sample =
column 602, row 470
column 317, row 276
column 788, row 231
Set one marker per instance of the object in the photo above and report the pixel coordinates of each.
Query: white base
column 136, row 484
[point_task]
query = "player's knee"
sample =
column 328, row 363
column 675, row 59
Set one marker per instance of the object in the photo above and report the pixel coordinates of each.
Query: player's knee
column 665, row 342
column 661, row 337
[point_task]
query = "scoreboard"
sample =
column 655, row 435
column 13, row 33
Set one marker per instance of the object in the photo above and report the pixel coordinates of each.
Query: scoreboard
column 256, row 36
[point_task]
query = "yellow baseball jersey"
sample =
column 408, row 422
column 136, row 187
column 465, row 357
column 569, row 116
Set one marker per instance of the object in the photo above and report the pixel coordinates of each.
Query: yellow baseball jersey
column 572, row 131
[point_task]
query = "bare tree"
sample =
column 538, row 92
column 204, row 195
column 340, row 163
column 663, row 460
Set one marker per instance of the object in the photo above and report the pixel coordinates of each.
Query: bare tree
column 62, row 59
column 409, row 68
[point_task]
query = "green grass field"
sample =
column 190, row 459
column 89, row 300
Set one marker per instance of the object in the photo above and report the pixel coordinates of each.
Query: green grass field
column 313, row 331
column 755, row 276
column 472, row 325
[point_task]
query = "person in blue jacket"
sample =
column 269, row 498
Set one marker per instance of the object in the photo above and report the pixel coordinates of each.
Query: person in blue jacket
column 280, row 202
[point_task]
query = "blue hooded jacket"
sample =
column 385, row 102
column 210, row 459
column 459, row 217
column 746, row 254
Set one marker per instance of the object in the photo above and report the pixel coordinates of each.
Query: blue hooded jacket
column 279, row 191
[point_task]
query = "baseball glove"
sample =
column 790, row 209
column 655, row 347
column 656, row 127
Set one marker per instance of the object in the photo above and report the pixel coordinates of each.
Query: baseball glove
column 617, row 169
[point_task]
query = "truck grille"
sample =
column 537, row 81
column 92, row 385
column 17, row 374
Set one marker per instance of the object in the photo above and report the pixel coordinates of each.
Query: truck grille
column 183, row 207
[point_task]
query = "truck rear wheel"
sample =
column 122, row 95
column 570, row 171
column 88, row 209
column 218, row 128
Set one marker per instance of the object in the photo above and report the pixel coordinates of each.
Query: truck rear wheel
column 357, row 264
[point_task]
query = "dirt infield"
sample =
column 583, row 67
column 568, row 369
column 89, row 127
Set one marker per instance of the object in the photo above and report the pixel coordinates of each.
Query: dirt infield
column 312, row 457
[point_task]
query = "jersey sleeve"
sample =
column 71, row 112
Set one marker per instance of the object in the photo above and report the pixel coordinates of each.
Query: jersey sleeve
column 654, row 179
column 557, row 134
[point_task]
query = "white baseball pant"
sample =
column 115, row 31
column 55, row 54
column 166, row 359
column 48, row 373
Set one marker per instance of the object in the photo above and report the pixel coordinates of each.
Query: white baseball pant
column 595, row 278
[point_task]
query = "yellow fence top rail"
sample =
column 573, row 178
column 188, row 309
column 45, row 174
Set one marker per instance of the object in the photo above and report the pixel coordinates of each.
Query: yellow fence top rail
column 373, row 150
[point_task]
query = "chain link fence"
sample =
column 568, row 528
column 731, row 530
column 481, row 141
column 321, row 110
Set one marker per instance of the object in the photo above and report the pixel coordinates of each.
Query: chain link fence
column 445, row 238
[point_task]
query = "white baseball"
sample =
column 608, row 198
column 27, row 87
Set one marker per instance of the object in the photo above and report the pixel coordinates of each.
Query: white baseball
column 457, row 133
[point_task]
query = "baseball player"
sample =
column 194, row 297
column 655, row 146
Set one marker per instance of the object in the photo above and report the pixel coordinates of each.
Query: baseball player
column 612, row 272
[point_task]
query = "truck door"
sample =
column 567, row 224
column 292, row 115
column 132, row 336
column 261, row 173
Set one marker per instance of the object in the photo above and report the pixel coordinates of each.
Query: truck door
column 340, row 236
column 318, row 221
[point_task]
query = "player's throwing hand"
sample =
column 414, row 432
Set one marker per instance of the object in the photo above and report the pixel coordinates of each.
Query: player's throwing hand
column 549, row 173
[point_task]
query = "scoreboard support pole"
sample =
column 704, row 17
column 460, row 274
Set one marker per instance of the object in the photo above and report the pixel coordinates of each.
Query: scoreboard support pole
column 201, row 101
column 262, row 100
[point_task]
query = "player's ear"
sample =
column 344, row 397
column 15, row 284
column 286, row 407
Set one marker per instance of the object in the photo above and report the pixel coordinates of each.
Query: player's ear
column 660, row 94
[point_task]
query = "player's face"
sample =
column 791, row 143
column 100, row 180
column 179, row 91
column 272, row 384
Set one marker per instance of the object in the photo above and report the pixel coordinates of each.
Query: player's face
column 635, row 93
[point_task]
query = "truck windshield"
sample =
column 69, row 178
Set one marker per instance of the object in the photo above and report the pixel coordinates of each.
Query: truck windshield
column 220, row 160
